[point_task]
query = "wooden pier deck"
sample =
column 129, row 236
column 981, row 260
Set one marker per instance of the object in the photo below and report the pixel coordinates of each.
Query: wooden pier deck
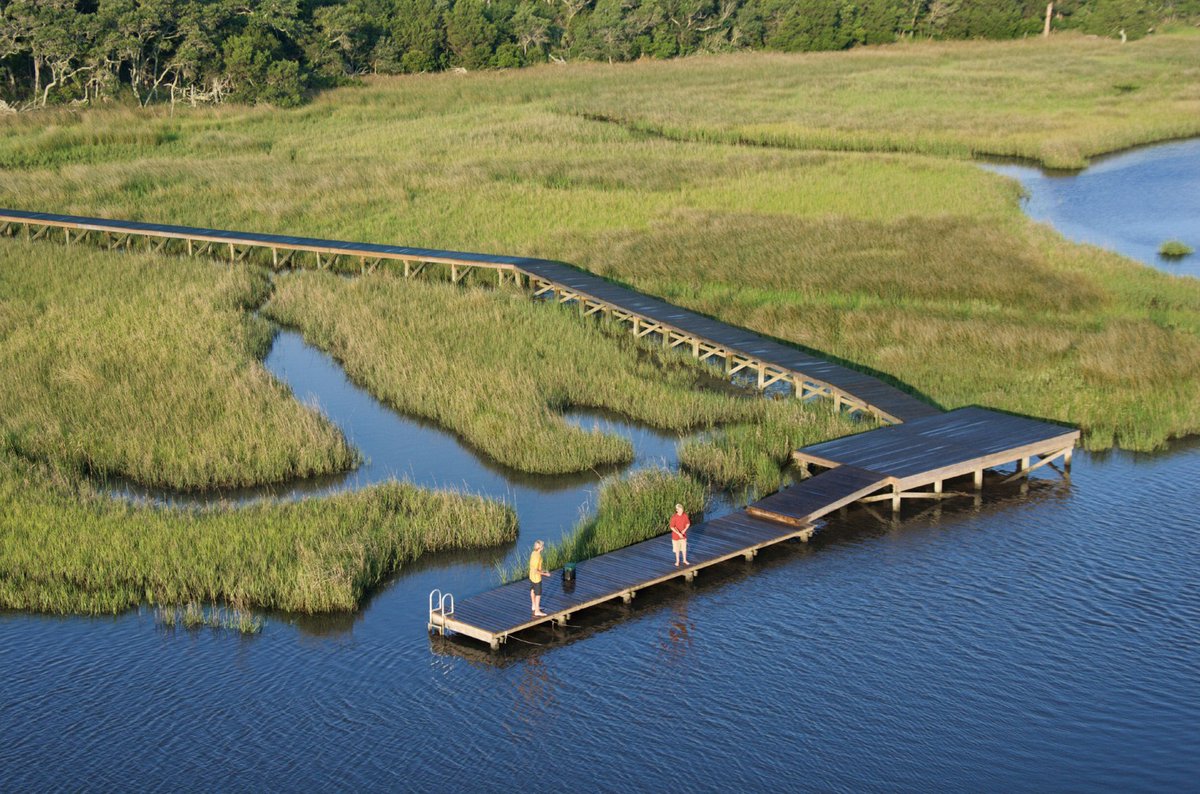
column 884, row 464
column 911, row 459
column 493, row 616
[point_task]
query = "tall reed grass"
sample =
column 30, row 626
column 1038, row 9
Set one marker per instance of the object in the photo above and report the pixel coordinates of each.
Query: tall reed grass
column 66, row 548
column 499, row 369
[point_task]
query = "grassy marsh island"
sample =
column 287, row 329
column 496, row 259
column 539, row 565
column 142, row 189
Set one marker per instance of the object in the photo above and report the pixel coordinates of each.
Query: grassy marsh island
column 146, row 368
column 1174, row 249
column 65, row 547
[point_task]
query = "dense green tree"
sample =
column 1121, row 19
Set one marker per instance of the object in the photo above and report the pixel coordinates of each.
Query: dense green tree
column 471, row 36
column 55, row 51
column 803, row 25
column 1111, row 17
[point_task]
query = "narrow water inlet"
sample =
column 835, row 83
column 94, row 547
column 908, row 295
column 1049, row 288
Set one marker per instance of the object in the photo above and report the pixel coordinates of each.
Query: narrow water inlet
column 399, row 447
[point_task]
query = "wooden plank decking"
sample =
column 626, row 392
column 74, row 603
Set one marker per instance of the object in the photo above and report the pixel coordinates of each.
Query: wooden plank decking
column 924, row 446
column 930, row 449
column 494, row 615
column 882, row 464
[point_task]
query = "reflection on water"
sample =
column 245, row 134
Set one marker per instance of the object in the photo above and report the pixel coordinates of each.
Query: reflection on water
column 1130, row 203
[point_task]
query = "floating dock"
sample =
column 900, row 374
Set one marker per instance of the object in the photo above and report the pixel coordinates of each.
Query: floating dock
column 912, row 458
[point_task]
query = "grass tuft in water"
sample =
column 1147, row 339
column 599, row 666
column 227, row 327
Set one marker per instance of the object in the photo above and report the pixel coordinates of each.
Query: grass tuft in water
column 1174, row 249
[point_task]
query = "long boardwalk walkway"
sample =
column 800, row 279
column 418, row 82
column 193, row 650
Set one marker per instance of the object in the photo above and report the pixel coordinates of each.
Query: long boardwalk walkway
column 741, row 350
column 911, row 459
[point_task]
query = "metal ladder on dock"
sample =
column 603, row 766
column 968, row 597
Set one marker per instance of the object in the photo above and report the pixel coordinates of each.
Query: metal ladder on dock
column 440, row 598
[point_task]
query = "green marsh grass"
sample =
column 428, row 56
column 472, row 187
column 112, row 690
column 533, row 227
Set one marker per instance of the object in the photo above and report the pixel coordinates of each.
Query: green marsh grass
column 1057, row 101
column 752, row 457
column 629, row 510
column 146, row 368
column 898, row 257
column 64, row 547
column 1174, row 249
column 194, row 616
column 499, row 369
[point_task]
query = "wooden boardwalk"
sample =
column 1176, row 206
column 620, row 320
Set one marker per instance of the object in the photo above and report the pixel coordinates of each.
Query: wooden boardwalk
column 741, row 351
column 911, row 459
column 493, row 616
column 887, row 464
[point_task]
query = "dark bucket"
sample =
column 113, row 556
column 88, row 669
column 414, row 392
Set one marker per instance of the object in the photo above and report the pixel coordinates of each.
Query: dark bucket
column 569, row 572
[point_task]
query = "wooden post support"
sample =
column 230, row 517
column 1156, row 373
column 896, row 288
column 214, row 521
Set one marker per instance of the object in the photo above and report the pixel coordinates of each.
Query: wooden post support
column 231, row 253
column 750, row 554
column 561, row 620
column 762, row 377
column 274, row 255
column 407, row 268
column 979, row 479
column 689, row 576
column 454, row 274
column 696, row 347
column 627, row 596
column 1023, row 464
column 1049, row 15
column 1067, row 459
column 805, row 471
column 67, row 235
column 895, row 498
column 937, row 486
column 806, row 535
column 495, row 643
column 189, row 242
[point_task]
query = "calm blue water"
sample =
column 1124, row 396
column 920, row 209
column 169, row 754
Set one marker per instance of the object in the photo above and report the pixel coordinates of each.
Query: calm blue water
column 1044, row 640
column 1130, row 203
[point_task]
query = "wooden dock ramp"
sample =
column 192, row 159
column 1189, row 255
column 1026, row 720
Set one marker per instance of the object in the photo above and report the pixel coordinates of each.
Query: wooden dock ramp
column 817, row 496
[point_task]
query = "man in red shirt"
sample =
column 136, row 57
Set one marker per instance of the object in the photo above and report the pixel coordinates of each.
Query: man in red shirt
column 680, row 524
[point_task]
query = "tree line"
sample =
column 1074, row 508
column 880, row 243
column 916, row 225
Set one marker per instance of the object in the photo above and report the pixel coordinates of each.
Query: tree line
column 279, row 51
